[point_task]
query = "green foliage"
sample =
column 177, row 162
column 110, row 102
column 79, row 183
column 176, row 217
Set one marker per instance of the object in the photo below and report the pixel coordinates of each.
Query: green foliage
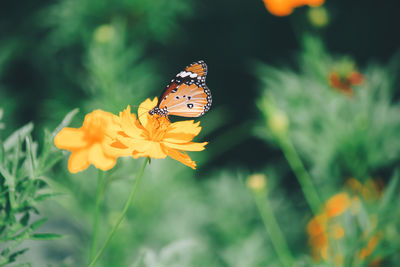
column 24, row 185
column 118, row 73
column 338, row 136
column 103, row 54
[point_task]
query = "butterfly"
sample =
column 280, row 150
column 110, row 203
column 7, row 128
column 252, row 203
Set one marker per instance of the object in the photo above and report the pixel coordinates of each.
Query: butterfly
column 187, row 95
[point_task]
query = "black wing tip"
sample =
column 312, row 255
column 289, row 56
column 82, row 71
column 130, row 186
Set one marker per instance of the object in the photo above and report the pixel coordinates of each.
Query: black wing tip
column 201, row 62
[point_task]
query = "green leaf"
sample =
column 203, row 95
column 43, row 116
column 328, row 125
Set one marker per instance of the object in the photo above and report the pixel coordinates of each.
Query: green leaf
column 45, row 236
column 2, row 153
column 20, row 133
column 30, row 158
column 389, row 192
column 66, row 121
column 14, row 255
column 9, row 178
column 25, row 219
column 37, row 224
column 47, row 145
column 17, row 151
column 50, row 163
column 5, row 252
column 46, row 196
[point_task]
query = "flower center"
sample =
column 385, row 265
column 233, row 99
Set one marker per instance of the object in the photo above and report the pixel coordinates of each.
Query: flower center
column 158, row 128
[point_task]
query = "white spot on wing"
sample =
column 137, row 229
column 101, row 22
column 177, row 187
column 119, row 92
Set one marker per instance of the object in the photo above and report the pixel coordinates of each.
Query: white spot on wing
column 183, row 74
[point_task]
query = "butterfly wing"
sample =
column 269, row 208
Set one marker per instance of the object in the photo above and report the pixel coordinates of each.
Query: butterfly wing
column 188, row 95
column 187, row 101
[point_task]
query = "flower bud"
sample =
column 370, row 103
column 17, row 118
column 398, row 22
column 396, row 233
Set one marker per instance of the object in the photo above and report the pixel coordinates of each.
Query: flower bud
column 318, row 16
column 278, row 123
column 104, row 33
column 257, row 182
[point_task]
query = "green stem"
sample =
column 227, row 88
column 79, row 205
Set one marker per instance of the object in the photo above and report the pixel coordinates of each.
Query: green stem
column 272, row 227
column 99, row 196
column 302, row 175
column 121, row 216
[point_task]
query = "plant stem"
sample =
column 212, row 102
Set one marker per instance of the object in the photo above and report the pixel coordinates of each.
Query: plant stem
column 121, row 216
column 99, row 196
column 272, row 227
column 302, row 175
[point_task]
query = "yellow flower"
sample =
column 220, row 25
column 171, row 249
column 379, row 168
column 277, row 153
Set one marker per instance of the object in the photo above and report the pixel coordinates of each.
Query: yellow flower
column 89, row 144
column 154, row 136
column 285, row 7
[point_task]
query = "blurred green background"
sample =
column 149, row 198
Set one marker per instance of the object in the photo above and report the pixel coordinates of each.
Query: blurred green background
column 88, row 54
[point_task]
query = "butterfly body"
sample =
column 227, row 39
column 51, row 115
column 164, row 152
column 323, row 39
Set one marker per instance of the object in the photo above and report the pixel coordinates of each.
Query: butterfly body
column 187, row 95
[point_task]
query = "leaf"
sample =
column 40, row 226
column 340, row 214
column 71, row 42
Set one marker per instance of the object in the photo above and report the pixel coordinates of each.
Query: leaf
column 389, row 192
column 2, row 153
column 46, row 196
column 66, row 121
column 5, row 251
column 45, row 236
column 9, row 178
column 49, row 163
column 14, row 255
column 37, row 224
column 26, row 232
column 25, row 219
column 20, row 133
column 30, row 158
column 16, row 157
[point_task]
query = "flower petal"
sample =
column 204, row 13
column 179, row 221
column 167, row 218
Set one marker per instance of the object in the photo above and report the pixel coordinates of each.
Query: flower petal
column 70, row 138
column 182, row 132
column 179, row 156
column 279, row 7
column 78, row 161
column 99, row 159
column 191, row 146
column 129, row 125
column 116, row 149
column 144, row 108
column 149, row 149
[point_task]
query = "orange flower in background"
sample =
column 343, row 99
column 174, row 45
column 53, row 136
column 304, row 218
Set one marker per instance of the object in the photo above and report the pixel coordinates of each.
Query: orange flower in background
column 89, row 144
column 285, row 7
column 156, row 137
column 326, row 230
column 337, row 204
column 318, row 237
column 367, row 251
column 344, row 84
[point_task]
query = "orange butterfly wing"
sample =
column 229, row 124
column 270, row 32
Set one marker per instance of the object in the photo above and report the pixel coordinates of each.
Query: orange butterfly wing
column 187, row 101
column 187, row 95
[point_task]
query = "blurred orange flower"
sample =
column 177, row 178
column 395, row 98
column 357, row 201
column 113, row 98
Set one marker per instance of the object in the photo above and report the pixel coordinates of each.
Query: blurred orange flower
column 326, row 230
column 285, row 7
column 318, row 237
column 90, row 143
column 344, row 84
column 366, row 251
column 154, row 136
column 337, row 204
